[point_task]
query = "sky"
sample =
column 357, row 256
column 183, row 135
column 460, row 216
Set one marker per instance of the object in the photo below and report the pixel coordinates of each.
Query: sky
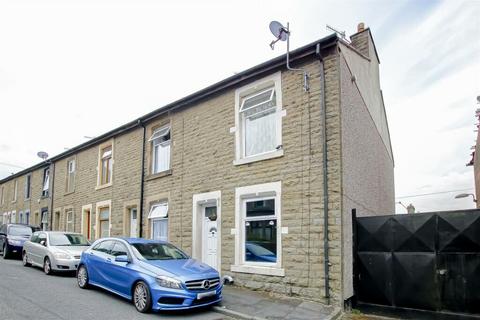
column 76, row 69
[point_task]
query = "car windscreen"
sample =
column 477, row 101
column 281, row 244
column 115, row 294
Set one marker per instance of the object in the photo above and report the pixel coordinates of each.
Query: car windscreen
column 158, row 251
column 19, row 231
column 67, row 239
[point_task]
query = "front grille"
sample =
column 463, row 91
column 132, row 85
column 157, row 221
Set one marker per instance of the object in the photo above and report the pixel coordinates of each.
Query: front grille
column 76, row 257
column 203, row 284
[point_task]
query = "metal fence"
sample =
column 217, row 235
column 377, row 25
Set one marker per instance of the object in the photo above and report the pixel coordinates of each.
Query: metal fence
column 427, row 261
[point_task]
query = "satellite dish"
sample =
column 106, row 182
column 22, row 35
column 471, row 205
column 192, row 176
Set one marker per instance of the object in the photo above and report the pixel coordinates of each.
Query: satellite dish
column 278, row 30
column 42, row 154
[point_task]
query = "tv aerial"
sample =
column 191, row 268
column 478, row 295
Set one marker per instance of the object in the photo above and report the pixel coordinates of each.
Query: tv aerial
column 283, row 34
column 43, row 155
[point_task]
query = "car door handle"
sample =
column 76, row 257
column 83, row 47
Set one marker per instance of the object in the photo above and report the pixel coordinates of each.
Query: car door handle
column 109, row 260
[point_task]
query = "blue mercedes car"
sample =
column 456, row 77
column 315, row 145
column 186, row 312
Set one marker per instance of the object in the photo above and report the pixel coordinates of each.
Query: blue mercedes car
column 152, row 274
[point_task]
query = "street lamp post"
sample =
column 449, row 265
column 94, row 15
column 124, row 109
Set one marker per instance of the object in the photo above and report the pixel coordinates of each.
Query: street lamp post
column 466, row 195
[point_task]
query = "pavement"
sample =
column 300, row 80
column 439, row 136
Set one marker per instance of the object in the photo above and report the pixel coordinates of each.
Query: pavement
column 247, row 304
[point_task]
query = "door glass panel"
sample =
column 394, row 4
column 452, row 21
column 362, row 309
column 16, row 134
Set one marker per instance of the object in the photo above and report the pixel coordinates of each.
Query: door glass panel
column 211, row 213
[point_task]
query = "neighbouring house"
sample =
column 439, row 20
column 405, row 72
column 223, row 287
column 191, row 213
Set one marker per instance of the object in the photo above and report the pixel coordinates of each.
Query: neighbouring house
column 252, row 175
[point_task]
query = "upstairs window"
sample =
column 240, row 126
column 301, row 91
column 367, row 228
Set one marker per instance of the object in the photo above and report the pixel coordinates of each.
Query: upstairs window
column 258, row 120
column 46, row 182
column 258, row 117
column 160, row 141
column 15, row 187
column 70, row 175
column 28, row 182
column 106, row 165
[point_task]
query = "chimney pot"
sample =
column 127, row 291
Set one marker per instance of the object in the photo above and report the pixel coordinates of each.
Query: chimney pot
column 361, row 27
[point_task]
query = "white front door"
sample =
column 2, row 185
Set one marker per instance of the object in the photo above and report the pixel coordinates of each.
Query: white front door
column 133, row 222
column 209, row 236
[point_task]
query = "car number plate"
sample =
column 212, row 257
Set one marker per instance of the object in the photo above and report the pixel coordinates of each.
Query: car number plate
column 205, row 294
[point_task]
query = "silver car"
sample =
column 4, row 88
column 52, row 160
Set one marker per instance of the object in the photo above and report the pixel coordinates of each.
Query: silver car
column 54, row 250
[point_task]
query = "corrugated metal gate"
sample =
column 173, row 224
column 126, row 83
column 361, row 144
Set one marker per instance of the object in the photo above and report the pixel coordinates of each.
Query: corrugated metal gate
column 427, row 261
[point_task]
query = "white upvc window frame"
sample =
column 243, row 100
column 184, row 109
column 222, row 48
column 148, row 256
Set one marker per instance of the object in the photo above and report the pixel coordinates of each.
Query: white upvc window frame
column 246, row 194
column 157, row 135
column 241, row 94
column 13, row 217
column 71, row 172
column 98, row 207
column 69, row 222
column 46, row 182
column 152, row 218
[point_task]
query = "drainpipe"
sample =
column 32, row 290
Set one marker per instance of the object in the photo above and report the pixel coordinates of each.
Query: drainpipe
column 50, row 191
column 140, row 229
column 325, row 177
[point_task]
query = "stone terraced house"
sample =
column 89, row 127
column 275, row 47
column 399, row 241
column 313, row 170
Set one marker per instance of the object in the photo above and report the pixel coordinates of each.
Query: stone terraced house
column 252, row 175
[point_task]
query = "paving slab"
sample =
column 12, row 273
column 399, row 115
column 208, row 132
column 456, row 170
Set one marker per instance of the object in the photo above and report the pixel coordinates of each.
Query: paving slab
column 248, row 304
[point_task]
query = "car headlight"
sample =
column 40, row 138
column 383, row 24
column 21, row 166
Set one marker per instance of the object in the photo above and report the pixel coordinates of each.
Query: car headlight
column 14, row 242
column 62, row 255
column 168, row 282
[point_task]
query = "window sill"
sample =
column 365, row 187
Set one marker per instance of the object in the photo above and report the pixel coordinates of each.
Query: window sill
column 103, row 186
column 269, row 271
column 44, row 196
column 260, row 157
column 159, row 175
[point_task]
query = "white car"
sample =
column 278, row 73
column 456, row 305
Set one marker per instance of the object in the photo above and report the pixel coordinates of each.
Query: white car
column 54, row 250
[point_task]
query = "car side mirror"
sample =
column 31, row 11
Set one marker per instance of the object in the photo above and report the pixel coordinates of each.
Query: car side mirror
column 43, row 243
column 122, row 258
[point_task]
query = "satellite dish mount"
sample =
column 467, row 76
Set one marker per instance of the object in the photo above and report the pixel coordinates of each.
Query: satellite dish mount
column 283, row 34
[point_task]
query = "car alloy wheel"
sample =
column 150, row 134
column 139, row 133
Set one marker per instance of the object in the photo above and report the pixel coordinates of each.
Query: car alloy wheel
column 141, row 297
column 47, row 266
column 25, row 259
column 82, row 277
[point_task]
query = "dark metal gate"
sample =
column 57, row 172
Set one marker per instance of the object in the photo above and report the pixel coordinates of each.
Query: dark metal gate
column 426, row 261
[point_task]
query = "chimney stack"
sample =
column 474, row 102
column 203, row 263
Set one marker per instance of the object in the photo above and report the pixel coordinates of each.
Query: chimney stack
column 361, row 27
column 362, row 40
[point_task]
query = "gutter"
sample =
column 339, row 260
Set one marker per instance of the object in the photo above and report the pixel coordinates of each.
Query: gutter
column 142, row 181
column 323, row 110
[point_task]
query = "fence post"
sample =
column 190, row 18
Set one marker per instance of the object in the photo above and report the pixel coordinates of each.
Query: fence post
column 354, row 258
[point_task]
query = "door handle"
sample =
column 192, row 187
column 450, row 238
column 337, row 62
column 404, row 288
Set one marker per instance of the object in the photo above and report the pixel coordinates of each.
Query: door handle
column 109, row 260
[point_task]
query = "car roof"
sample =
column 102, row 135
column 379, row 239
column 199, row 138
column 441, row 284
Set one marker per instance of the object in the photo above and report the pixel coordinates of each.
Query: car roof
column 141, row 240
